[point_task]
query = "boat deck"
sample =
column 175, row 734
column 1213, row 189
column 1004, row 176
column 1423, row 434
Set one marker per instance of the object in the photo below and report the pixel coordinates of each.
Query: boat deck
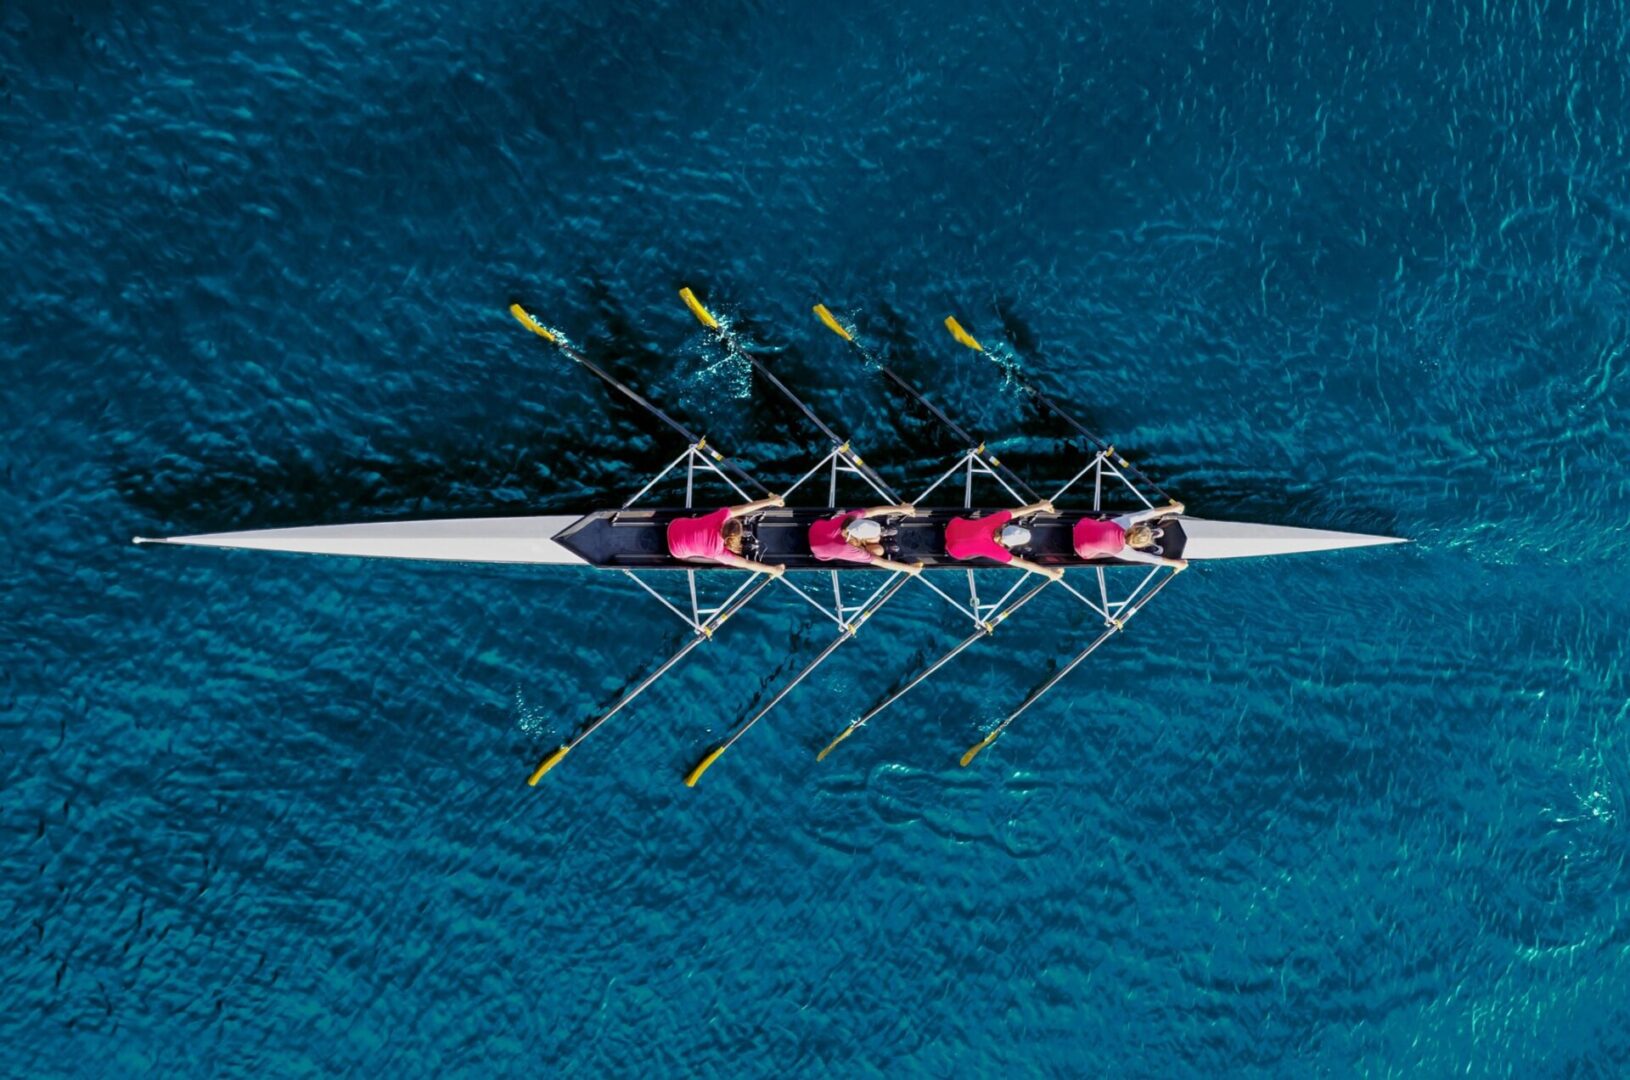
column 637, row 539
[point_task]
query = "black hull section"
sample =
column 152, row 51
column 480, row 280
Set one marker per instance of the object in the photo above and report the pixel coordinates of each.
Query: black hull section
column 637, row 539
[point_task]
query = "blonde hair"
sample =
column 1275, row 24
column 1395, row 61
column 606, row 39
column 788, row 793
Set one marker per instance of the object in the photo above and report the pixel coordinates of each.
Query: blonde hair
column 1139, row 536
column 731, row 531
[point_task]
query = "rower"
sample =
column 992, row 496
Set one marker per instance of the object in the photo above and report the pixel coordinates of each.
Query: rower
column 1128, row 537
column 716, row 537
column 857, row 536
column 994, row 536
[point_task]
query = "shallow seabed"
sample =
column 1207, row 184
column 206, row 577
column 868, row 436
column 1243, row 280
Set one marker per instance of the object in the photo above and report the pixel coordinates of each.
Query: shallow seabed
column 1356, row 267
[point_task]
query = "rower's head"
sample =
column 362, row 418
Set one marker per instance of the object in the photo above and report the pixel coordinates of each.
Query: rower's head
column 1013, row 536
column 731, row 531
column 863, row 531
column 1141, row 536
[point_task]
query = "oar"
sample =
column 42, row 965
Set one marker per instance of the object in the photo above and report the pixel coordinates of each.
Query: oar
column 704, row 634
column 1043, row 401
column 526, row 319
column 849, row 631
column 939, row 414
column 986, row 629
column 732, row 343
column 1115, row 627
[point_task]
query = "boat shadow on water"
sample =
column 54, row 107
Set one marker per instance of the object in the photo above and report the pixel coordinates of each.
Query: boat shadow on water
column 423, row 480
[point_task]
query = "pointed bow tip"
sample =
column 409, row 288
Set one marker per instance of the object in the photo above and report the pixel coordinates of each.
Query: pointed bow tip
column 1211, row 539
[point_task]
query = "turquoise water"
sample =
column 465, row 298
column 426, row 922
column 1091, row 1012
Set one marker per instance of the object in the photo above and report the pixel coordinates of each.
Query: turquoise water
column 1348, row 267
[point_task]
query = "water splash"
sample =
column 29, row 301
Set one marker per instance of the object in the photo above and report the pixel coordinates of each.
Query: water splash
column 533, row 721
column 1007, row 362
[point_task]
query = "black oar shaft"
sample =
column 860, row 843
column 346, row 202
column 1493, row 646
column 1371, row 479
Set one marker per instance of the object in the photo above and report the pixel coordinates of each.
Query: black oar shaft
column 1058, row 676
column 643, row 685
column 1035, row 695
column 838, row 441
column 984, row 631
column 736, row 348
column 831, row 648
column 934, row 410
column 702, row 636
column 848, row 634
column 525, row 318
column 925, row 673
column 1048, row 404
column 1043, row 401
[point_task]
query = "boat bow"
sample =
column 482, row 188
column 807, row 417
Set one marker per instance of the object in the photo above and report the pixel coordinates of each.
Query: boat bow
column 1242, row 540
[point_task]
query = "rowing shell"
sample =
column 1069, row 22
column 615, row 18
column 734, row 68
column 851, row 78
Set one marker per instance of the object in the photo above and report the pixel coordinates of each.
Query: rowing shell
column 632, row 539
column 636, row 539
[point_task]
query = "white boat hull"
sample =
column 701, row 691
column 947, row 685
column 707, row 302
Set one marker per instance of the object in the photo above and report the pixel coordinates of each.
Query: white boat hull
column 1243, row 540
column 530, row 540
column 488, row 540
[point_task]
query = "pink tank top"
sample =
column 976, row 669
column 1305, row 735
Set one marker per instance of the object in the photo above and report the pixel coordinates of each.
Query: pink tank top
column 827, row 542
column 699, row 537
column 1094, row 538
column 975, row 538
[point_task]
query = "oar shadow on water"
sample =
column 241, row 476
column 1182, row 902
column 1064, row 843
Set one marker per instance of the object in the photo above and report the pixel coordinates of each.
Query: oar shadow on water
column 514, row 465
column 915, row 346
column 715, row 391
column 980, row 391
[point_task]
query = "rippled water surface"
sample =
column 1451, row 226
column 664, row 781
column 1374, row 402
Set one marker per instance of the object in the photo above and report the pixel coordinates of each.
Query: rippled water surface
column 1356, row 267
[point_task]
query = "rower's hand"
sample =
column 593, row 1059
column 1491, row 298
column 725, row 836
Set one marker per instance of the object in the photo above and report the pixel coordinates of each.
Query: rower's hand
column 914, row 569
column 1176, row 508
column 1056, row 573
column 908, row 509
column 777, row 570
column 1047, row 507
column 778, row 501
column 1180, row 565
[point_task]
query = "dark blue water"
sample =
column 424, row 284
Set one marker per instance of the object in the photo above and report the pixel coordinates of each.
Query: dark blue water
column 1361, row 267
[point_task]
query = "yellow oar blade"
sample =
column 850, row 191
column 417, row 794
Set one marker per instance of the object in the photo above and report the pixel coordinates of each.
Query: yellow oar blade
column 703, row 315
column 962, row 336
column 832, row 324
column 525, row 318
column 973, row 751
column 842, row 735
column 548, row 763
column 703, row 766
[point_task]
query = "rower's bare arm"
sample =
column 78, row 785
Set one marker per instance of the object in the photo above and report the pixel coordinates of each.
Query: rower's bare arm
column 1153, row 512
column 756, row 505
column 1133, row 555
column 756, row 567
column 1043, row 507
column 1054, row 572
column 898, row 567
column 884, row 511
